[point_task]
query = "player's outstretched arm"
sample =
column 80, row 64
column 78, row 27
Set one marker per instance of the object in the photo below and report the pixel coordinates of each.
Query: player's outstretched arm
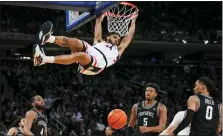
column 98, row 29
column 220, row 120
column 191, row 108
column 173, row 125
column 128, row 38
column 29, row 117
column 132, row 121
column 11, row 132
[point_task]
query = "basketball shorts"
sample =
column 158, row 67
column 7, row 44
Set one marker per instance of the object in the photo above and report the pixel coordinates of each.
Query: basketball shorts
column 98, row 61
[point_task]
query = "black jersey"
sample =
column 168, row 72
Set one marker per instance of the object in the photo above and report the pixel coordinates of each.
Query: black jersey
column 206, row 118
column 147, row 116
column 39, row 124
column 19, row 132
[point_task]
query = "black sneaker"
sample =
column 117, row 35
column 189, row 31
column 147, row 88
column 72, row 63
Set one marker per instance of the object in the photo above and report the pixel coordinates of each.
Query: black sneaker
column 45, row 32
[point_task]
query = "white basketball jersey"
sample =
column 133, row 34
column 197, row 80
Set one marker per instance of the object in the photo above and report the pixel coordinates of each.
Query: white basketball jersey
column 110, row 51
column 178, row 118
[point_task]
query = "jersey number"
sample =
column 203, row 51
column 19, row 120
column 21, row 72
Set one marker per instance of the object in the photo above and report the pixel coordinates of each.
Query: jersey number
column 110, row 47
column 145, row 121
column 209, row 111
column 41, row 132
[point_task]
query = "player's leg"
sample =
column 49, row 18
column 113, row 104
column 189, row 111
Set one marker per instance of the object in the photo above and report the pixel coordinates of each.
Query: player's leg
column 82, row 58
column 45, row 36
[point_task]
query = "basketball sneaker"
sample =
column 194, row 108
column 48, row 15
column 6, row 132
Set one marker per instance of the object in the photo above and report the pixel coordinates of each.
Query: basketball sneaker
column 45, row 32
column 38, row 54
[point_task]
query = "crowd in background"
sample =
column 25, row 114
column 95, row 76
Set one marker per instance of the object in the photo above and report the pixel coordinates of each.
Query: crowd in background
column 157, row 21
column 82, row 103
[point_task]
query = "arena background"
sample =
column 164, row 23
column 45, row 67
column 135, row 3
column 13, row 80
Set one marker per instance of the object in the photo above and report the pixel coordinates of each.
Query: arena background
column 174, row 44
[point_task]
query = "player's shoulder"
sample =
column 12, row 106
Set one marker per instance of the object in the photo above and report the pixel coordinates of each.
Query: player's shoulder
column 13, row 129
column 161, row 105
column 135, row 105
column 31, row 113
column 193, row 98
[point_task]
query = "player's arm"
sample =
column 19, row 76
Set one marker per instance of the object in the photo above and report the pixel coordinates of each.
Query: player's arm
column 173, row 125
column 98, row 29
column 11, row 132
column 220, row 120
column 167, row 131
column 128, row 38
column 45, row 131
column 162, row 121
column 192, row 105
column 132, row 121
column 29, row 117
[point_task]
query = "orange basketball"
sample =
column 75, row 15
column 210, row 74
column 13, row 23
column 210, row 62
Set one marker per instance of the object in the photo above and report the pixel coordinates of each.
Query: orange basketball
column 117, row 119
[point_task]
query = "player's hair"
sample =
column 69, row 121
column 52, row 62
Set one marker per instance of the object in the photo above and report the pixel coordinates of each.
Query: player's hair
column 153, row 85
column 16, row 122
column 211, row 88
column 108, row 34
column 33, row 98
column 31, row 101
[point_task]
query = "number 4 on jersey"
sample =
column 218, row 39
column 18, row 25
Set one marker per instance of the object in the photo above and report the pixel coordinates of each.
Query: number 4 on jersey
column 110, row 47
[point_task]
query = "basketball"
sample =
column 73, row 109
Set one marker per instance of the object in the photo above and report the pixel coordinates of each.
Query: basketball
column 117, row 119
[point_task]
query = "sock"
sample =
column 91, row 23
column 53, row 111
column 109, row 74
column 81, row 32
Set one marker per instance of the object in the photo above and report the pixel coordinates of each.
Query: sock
column 48, row 59
column 51, row 39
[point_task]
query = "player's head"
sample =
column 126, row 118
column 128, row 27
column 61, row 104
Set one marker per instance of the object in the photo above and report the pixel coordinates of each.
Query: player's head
column 38, row 102
column 19, row 122
column 204, row 85
column 151, row 91
column 113, row 38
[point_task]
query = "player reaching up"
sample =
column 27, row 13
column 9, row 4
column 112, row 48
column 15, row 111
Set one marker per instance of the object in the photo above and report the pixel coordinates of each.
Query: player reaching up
column 174, row 124
column 92, row 59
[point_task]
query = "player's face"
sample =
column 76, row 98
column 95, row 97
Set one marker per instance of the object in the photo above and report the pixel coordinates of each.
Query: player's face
column 114, row 39
column 22, row 122
column 39, row 103
column 150, row 93
column 198, row 87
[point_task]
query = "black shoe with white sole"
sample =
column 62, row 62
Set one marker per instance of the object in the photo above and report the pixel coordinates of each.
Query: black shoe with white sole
column 45, row 32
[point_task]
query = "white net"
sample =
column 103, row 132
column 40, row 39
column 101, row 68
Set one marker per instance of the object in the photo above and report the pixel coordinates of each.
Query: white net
column 119, row 17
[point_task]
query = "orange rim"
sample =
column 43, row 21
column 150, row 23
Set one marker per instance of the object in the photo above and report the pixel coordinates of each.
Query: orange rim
column 127, row 16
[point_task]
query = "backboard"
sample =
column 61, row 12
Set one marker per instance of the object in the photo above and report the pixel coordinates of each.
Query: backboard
column 77, row 12
column 75, row 18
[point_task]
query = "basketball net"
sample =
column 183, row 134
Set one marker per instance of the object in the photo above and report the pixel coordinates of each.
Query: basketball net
column 119, row 17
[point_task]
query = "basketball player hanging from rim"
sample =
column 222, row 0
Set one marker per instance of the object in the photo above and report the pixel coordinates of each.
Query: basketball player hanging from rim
column 92, row 59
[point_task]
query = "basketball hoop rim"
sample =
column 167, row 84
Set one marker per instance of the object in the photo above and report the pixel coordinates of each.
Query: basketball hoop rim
column 128, row 4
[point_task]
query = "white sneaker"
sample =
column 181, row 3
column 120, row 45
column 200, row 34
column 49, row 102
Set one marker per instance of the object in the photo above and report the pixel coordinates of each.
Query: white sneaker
column 38, row 55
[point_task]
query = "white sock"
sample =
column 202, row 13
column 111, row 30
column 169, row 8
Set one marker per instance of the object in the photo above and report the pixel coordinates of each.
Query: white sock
column 48, row 59
column 51, row 39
